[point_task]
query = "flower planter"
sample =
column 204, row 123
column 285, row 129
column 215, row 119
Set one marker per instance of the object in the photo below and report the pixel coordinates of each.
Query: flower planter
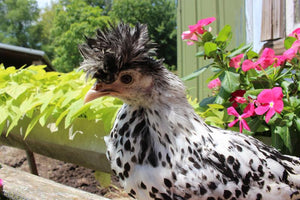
column 82, row 143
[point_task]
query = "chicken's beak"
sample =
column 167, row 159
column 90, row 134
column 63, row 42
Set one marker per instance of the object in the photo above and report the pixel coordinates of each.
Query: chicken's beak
column 97, row 90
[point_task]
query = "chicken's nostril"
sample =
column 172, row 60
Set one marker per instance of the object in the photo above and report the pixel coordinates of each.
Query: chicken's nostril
column 97, row 86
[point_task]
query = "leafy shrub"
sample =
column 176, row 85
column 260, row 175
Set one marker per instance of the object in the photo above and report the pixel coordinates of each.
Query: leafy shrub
column 38, row 94
column 255, row 94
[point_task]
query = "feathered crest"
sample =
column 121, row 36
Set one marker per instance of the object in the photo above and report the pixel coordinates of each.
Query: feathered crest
column 118, row 48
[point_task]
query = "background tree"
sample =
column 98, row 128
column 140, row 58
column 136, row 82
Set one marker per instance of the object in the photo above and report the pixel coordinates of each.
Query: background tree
column 17, row 23
column 71, row 22
column 46, row 23
column 60, row 27
column 159, row 15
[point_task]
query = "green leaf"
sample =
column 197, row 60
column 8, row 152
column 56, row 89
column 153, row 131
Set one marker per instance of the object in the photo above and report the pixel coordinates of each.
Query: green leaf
column 214, row 119
column 284, row 133
column 46, row 113
column 222, row 96
column 297, row 123
column 103, row 178
column 251, row 54
column 29, row 104
column 13, row 122
column 216, row 106
column 2, row 127
column 241, row 50
column 224, row 34
column 257, row 125
column 61, row 116
column 32, row 124
column 207, row 36
column 15, row 90
column 76, row 109
column 206, row 101
column 4, row 114
column 196, row 73
column 230, row 82
column 261, row 83
column 200, row 54
column 288, row 42
column 210, row 48
column 252, row 93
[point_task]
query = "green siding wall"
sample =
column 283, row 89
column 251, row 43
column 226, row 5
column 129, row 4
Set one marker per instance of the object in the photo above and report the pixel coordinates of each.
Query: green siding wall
column 230, row 12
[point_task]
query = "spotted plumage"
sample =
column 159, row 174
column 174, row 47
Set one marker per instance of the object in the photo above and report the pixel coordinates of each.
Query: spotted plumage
column 159, row 147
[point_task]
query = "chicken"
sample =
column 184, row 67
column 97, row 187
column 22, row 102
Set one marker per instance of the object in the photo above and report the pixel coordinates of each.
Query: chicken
column 159, row 147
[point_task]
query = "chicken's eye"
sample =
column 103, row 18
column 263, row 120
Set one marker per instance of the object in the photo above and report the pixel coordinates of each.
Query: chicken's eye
column 126, row 79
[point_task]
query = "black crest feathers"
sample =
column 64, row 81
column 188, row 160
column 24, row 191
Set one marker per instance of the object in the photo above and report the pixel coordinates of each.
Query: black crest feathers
column 118, row 48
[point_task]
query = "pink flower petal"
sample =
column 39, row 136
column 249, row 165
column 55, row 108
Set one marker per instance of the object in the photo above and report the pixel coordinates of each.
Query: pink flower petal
column 248, row 111
column 214, row 83
column 245, row 125
column 240, row 100
column 194, row 28
column 269, row 114
column 265, row 96
column 206, row 21
column 247, row 65
column 296, row 45
column 190, row 42
column 277, row 92
column 236, row 61
column 279, row 60
column 232, row 111
column 290, row 54
column 241, row 126
column 231, row 124
column 260, row 110
column 278, row 106
column 186, row 35
column 295, row 33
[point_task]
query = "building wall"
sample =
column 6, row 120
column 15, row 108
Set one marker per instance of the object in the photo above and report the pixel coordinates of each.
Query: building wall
column 231, row 12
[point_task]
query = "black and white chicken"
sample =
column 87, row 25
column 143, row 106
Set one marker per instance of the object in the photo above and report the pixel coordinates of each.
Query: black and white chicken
column 159, row 147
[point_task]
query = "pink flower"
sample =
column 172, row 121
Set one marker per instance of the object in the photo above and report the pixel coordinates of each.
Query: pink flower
column 279, row 60
column 248, row 112
column 266, row 59
column 295, row 33
column 196, row 29
column 214, row 83
column 237, row 97
column 247, row 65
column 291, row 52
column 236, row 61
column 270, row 101
column 1, row 184
column 188, row 35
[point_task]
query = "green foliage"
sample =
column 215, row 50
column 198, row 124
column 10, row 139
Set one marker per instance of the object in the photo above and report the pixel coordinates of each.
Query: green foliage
column 17, row 23
column 70, row 24
column 268, row 71
column 159, row 15
column 60, row 27
column 40, row 95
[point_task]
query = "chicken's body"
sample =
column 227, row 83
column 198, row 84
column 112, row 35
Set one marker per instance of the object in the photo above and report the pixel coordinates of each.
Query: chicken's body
column 161, row 149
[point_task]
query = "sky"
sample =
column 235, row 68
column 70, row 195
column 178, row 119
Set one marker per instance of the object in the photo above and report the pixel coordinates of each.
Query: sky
column 44, row 3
